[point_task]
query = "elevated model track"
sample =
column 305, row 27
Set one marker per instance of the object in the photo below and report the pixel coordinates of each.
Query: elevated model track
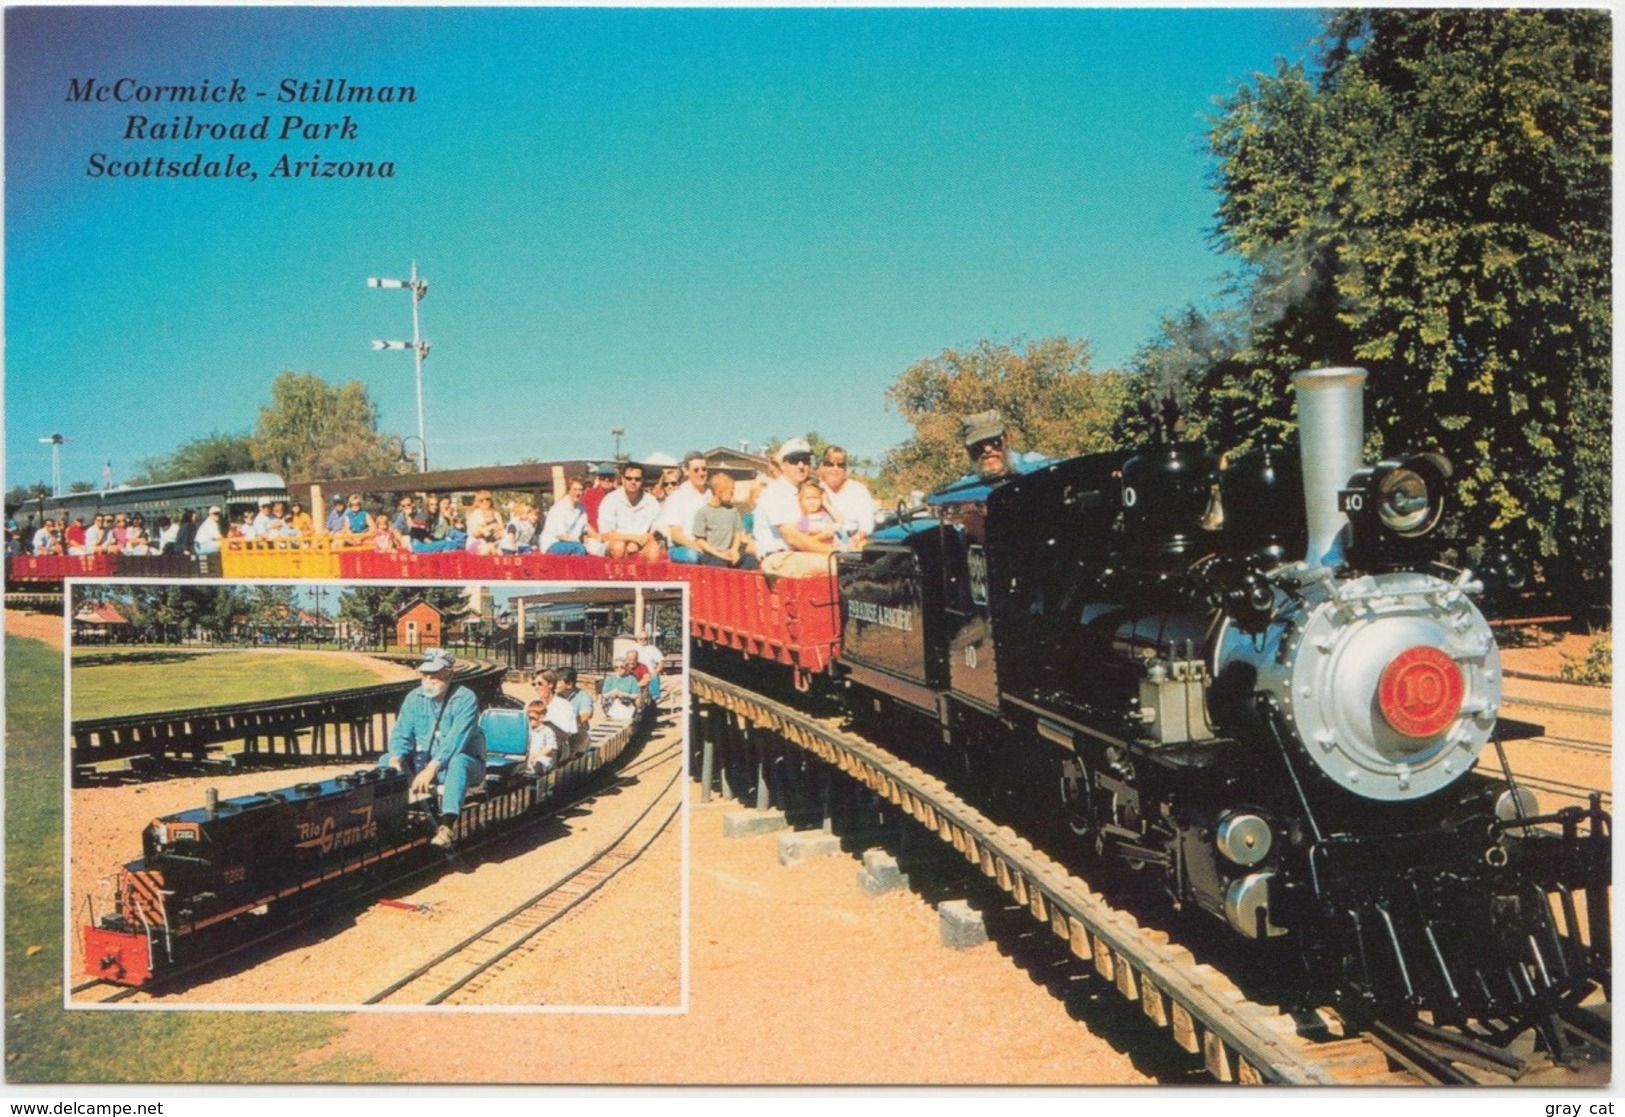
column 1239, row 1039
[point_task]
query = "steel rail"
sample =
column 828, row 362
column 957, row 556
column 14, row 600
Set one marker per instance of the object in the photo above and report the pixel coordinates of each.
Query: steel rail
column 530, row 904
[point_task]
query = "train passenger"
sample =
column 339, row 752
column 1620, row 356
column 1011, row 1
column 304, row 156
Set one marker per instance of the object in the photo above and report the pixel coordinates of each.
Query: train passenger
column 816, row 521
column 73, row 537
column 186, row 533
column 243, row 529
column 581, row 702
column 626, row 518
column 136, row 539
column 405, row 516
column 604, row 482
column 44, row 541
column 207, row 541
column 484, row 525
column 355, row 529
column 336, row 519
column 266, row 525
column 784, row 550
column 687, row 497
column 718, row 531
column 620, row 692
column 653, row 660
column 522, row 521
column 542, row 743
column 437, row 738
column 299, row 522
column 566, row 531
column 168, row 531
column 281, row 522
column 95, row 533
column 558, row 714
column 385, row 539
column 849, row 500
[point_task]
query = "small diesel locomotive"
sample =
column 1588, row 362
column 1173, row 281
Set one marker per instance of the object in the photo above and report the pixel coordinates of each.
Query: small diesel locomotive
column 1272, row 698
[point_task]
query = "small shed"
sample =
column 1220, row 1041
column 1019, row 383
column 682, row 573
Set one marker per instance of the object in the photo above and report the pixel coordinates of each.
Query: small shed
column 99, row 622
column 419, row 625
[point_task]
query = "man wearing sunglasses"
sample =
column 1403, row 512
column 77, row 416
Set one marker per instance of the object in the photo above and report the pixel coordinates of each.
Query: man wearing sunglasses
column 983, row 435
column 628, row 516
column 677, row 513
column 784, row 550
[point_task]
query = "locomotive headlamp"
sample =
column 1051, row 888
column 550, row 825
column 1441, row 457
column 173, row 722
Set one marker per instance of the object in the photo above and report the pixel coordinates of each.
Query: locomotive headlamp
column 1396, row 499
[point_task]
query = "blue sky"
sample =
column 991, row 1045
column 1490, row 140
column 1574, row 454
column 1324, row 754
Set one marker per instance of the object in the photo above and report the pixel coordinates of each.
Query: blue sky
column 701, row 226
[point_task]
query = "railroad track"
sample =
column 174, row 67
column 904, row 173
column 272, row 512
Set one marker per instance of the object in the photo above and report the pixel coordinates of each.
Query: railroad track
column 1557, row 707
column 457, row 974
column 1240, row 1040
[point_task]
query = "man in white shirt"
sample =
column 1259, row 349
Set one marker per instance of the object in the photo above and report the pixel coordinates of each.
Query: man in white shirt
column 677, row 513
column 627, row 518
column 566, row 530
column 207, row 540
column 784, row 550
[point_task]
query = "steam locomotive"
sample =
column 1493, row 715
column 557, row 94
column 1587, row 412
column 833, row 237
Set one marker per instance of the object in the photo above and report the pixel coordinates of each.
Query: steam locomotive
column 218, row 877
column 1275, row 705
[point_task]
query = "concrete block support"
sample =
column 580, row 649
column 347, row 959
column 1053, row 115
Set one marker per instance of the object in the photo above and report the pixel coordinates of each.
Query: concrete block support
column 880, row 873
column 746, row 824
column 961, row 927
column 805, row 844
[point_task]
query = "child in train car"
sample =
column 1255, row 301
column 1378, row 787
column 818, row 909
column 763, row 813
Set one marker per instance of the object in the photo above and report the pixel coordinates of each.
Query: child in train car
column 816, row 520
column 542, row 748
column 384, row 538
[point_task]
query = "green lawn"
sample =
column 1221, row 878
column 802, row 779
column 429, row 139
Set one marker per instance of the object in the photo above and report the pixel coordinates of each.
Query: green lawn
column 46, row 1043
column 148, row 680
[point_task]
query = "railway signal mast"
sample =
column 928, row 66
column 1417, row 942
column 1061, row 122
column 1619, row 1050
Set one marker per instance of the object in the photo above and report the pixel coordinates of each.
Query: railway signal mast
column 55, row 441
column 418, row 345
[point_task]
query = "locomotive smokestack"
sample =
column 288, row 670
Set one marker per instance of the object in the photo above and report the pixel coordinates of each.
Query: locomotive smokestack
column 1331, row 433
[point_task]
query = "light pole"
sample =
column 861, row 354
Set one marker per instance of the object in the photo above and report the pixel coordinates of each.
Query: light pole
column 617, row 432
column 55, row 441
column 418, row 345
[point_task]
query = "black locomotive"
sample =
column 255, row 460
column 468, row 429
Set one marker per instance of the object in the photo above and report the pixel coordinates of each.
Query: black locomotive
column 217, row 877
column 1272, row 697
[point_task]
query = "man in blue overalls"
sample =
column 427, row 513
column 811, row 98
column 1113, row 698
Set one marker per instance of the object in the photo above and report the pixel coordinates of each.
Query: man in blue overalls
column 437, row 737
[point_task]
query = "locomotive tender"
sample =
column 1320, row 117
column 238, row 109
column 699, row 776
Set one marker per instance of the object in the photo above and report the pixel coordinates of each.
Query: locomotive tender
column 1274, row 703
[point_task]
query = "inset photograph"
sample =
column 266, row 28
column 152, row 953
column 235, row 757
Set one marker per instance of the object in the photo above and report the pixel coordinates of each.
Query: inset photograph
column 355, row 795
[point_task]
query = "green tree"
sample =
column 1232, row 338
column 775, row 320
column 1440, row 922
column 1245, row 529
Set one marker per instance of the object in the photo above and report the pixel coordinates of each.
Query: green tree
column 17, row 494
column 1434, row 205
column 312, row 429
column 178, row 610
column 1050, row 400
column 210, row 456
